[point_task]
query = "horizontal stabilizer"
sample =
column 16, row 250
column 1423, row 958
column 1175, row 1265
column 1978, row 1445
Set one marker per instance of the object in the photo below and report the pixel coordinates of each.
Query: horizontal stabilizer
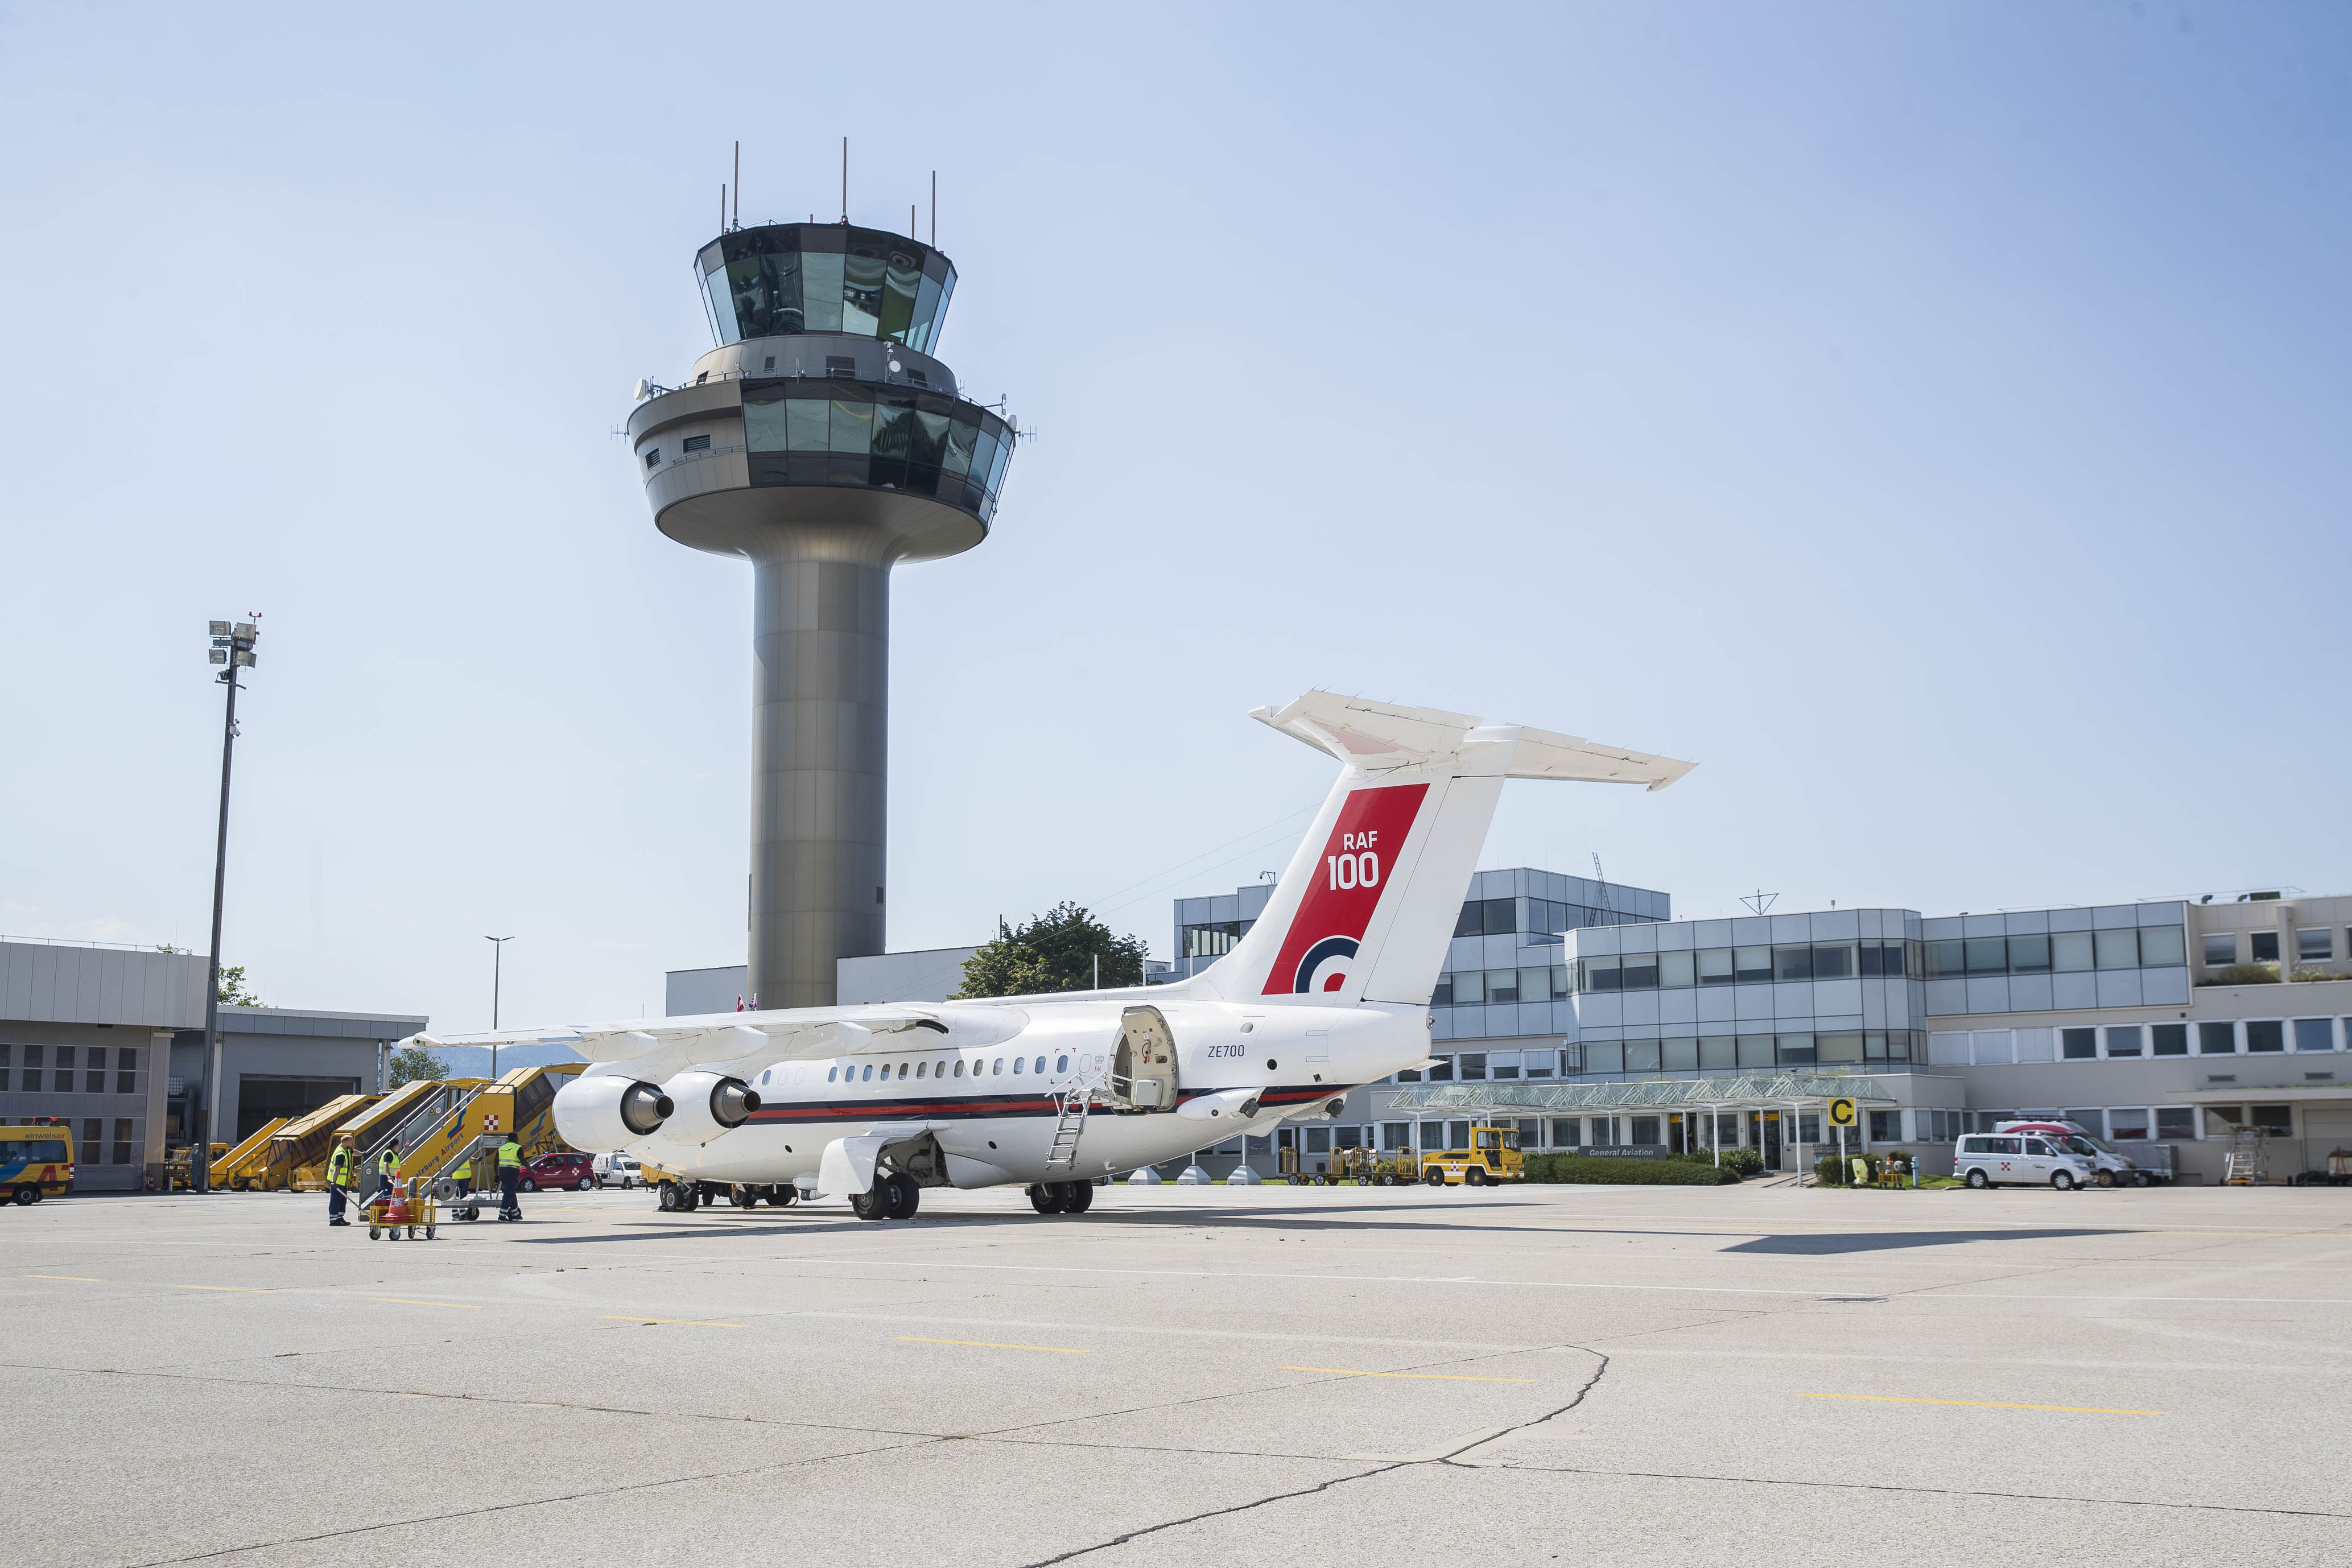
column 1374, row 737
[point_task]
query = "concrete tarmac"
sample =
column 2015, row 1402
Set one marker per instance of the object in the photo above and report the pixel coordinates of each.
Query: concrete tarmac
column 1189, row 1375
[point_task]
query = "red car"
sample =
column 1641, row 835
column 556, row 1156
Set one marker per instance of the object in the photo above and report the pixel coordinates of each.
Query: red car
column 573, row 1170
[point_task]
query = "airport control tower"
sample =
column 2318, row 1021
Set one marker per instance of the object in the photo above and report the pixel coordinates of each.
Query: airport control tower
column 822, row 442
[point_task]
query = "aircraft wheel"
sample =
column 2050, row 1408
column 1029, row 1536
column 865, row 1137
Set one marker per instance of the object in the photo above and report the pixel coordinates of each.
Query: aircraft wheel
column 741, row 1197
column 784, row 1196
column 872, row 1205
column 902, row 1196
column 1077, row 1197
column 1045, row 1198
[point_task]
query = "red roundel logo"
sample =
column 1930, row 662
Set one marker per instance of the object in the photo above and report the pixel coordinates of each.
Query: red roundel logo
column 1319, row 952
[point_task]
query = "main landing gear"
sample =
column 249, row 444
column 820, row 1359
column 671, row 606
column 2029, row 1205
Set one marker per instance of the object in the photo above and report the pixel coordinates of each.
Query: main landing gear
column 895, row 1195
column 1061, row 1197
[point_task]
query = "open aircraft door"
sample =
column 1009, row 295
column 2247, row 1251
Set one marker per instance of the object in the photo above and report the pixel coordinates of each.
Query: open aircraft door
column 1143, row 1070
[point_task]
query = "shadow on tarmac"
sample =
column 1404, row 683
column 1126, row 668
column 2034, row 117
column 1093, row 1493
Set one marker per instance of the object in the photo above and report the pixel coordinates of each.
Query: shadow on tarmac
column 1887, row 1240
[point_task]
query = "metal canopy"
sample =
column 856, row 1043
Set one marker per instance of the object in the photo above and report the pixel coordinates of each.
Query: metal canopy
column 1764, row 1089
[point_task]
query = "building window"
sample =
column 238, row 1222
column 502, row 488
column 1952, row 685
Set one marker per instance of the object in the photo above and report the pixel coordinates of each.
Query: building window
column 1564, row 1134
column 2078, row 1045
column 2217, row 1039
column 126, row 1069
column 2265, row 946
column 2127, row 1124
column 1395, row 1135
column 2070, row 951
column 2125, row 1040
column 2220, row 947
column 695, row 444
column 1503, row 1064
column 2265, row 1034
column 1471, row 1066
column 1715, row 966
column 653, row 456
column 62, row 1079
column 4, row 1051
column 93, row 1140
column 2315, row 945
column 1886, row 1126
column 1639, row 971
column 93, row 1070
column 1318, row 1140
column 2118, row 949
column 2093, row 1120
column 1442, row 995
column 1347, row 1137
column 2276, row 1120
column 122, row 1140
column 2174, row 1121
column 1503, row 984
column 2314, row 1034
column 2168, row 1040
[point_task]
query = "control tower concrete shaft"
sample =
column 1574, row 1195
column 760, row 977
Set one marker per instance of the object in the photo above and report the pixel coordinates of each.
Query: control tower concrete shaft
column 823, row 442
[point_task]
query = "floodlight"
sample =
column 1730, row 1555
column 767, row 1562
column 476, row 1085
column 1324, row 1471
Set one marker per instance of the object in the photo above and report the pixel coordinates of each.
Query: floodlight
column 245, row 657
column 219, row 655
column 220, row 628
column 247, row 630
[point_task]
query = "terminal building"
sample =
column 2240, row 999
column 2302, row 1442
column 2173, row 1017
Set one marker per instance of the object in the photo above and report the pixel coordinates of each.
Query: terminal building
column 109, row 1039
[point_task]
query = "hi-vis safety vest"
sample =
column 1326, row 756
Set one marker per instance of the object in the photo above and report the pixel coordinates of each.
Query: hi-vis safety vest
column 510, row 1155
column 465, row 1171
column 387, row 1164
column 339, row 1166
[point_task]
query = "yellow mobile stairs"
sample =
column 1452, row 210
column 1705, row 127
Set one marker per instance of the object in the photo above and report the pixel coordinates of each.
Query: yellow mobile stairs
column 473, row 1120
column 236, row 1170
column 301, row 1146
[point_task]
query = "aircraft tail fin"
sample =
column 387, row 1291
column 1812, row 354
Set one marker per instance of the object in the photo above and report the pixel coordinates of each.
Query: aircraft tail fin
column 1368, row 904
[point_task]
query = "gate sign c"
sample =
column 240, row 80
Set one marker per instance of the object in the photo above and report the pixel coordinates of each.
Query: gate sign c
column 1840, row 1113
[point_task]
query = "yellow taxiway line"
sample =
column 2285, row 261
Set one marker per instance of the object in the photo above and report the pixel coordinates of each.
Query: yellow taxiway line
column 688, row 1322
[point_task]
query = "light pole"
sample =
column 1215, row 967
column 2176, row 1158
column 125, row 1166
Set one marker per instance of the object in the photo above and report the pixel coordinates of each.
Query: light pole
column 498, row 960
column 232, row 648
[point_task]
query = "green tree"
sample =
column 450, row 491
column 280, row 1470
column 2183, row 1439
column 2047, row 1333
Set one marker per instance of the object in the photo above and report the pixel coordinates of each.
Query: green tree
column 1054, row 951
column 414, row 1062
column 233, row 992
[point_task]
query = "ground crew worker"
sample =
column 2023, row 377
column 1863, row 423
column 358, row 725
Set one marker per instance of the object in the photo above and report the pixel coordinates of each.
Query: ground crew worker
column 509, row 1173
column 339, row 1179
column 387, row 1171
column 464, row 1176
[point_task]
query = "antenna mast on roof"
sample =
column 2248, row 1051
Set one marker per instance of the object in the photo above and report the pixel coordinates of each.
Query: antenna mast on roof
column 1601, row 877
column 739, row 185
column 845, row 179
column 935, row 209
column 1759, row 901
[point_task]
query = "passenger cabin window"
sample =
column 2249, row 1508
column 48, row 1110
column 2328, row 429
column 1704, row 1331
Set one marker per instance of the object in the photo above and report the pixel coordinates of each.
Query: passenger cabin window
column 902, row 1069
column 999, row 1068
column 959, row 1070
column 1061, row 1064
column 1040, row 1067
column 920, row 1068
column 886, row 1072
column 1018, row 1063
column 869, row 1072
column 831, row 1074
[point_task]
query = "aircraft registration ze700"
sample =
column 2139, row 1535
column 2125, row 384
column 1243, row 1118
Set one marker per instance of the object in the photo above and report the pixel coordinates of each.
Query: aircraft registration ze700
column 1329, row 990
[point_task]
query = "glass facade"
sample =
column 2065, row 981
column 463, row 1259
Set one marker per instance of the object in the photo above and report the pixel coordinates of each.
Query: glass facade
column 783, row 278
column 2060, row 952
column 805, row 432
column 1748, row 965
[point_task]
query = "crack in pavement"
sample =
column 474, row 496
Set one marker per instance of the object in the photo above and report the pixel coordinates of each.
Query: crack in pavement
column 517, row 1503
column 1938, row 1491
column 1477, row 1441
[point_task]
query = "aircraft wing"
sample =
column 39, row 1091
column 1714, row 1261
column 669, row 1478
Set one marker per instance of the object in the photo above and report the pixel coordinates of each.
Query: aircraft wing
column 743, row 1042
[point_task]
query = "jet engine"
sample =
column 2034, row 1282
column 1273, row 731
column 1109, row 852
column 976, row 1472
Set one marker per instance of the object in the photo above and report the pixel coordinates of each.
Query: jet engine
column 709, row 1103
column 608, row 1111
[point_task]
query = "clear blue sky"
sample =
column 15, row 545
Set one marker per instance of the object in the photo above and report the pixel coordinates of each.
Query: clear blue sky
column 1929, row 417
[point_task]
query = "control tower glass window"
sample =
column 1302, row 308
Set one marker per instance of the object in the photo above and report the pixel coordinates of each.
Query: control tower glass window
column 782, row 279
column 819, row 432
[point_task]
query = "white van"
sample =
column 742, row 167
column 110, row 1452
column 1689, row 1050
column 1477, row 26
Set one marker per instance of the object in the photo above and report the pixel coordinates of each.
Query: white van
column 618, row 1168
column 2017, row 1159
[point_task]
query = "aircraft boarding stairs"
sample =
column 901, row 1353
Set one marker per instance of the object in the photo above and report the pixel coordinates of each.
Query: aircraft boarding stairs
column 237, row 1169
column 295, row 1155
column 444, row 1129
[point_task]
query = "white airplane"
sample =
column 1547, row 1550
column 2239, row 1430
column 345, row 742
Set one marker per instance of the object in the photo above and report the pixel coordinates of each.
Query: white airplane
column 1329, row 990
